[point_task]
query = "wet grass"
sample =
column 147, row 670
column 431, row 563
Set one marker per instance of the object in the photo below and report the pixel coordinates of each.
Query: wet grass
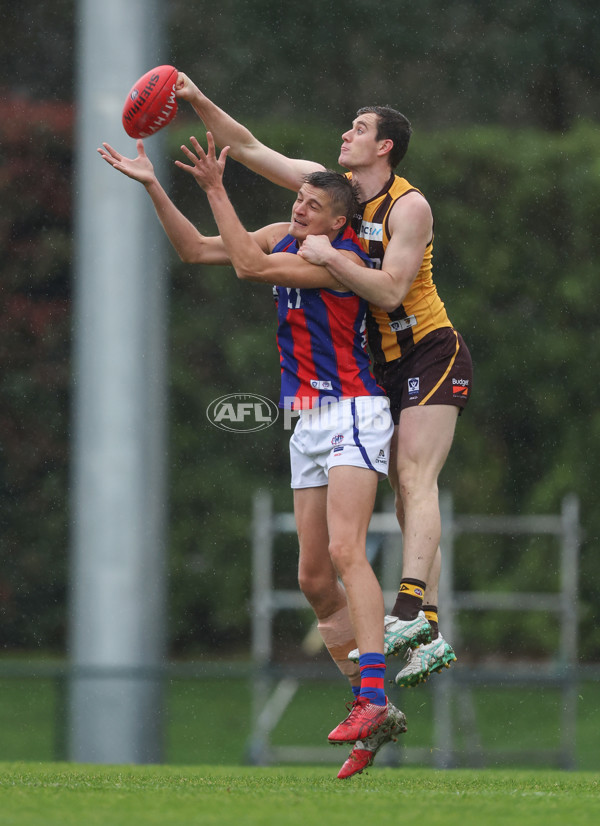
column 64, row 795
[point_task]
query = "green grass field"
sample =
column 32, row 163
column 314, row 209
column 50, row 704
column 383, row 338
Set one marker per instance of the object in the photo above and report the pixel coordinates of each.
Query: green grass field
column 205, row 781
column 64, row 795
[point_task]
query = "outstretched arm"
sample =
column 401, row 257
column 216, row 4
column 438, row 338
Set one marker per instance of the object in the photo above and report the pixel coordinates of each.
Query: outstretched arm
column 191, row 246
column 243, row 146
column 248, row 252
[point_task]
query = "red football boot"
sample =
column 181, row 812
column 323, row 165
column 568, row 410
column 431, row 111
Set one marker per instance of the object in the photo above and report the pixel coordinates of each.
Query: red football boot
column 364, row 718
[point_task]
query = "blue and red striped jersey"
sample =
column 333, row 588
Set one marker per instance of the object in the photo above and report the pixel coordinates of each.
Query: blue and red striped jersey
column 322, row 339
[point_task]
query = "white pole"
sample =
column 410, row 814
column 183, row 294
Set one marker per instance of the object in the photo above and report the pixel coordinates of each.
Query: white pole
column 118, row 502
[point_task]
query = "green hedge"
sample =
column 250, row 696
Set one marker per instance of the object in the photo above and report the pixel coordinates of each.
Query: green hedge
column 514, row 261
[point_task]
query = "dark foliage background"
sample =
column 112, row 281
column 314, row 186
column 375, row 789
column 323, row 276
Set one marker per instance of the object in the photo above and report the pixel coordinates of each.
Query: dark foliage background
column 506, row 149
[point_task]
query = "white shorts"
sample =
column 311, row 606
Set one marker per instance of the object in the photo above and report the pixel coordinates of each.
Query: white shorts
column 354, row 432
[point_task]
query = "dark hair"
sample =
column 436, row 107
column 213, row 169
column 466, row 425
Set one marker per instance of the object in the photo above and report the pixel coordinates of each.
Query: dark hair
column 338, row 187
column 392, row 125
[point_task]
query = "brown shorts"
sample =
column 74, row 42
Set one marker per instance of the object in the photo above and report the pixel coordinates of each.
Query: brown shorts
column 437, row 370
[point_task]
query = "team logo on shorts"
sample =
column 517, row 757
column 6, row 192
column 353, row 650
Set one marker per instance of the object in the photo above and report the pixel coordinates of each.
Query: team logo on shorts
column 460, row 387
column 337, row 439
column 413, row 387
column 320, row 385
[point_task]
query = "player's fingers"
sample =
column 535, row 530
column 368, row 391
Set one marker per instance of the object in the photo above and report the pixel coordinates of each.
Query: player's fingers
column 116, row 155
column 199, row 150
column 184, row 166
column 189, row 153
column 224, row 153
column 211, row 143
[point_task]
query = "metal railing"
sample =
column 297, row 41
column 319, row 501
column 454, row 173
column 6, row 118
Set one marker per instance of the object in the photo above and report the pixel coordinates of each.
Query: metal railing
column 275, row 686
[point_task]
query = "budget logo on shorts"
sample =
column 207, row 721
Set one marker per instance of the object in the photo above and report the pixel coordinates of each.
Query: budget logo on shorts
column 460, row 387
column 242, row 412
column 413, row 387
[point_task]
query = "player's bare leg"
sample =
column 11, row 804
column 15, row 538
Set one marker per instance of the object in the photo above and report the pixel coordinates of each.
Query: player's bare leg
column 429, row 432
column 319, row 582
column 349, row 507
column 422, row 442
column 350, row 503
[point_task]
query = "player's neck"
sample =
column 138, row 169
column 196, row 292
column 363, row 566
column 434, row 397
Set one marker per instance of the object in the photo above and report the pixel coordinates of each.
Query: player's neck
column 369, row 181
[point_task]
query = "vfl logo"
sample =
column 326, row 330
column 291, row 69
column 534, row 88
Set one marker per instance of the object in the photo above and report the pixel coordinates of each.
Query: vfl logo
column 320, row 385
column 403, row 324
column 242, row 412
column 413, row 387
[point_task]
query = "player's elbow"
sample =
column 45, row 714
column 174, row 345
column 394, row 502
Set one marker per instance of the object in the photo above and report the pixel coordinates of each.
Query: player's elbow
column 389, row 302
column 188, row 257
column 392, row 296
column 244, row 273
column 193, row 253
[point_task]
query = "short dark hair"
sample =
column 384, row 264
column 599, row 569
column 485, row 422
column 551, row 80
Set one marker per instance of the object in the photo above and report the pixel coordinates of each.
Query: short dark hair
column 338, row 187
column 391, row 125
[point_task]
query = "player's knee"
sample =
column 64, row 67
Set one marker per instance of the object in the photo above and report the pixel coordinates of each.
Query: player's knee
column 342, row 555
column 413, row 482
column 315, row 586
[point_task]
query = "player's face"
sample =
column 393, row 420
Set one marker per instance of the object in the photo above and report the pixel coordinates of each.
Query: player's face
column 359, row 144
column 313, row 214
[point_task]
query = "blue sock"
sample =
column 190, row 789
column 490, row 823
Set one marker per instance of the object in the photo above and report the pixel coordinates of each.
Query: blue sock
column 355, row 690
column 372, row 673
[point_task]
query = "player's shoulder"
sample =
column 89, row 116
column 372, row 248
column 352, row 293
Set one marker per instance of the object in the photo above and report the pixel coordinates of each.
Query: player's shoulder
column 410, row 204
column 270, row 235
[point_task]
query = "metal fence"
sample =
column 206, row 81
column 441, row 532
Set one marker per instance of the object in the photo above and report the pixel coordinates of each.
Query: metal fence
column 275, row 685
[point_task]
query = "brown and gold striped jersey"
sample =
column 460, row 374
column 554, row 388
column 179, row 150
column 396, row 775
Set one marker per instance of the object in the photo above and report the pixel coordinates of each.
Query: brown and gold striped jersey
column 391, row 335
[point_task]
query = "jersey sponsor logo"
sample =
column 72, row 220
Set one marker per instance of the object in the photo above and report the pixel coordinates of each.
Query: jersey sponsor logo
column 403, row 323
column 320, row 385
column 413, row 387
column 370, row 231
column 242, row 412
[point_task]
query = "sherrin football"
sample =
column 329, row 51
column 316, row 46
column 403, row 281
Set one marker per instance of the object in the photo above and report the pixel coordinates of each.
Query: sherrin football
column 151, row 104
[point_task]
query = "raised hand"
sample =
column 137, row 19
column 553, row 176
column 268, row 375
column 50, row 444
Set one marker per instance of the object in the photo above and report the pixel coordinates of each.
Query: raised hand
column 185, row 89
column 205, row 167
column 139, row 169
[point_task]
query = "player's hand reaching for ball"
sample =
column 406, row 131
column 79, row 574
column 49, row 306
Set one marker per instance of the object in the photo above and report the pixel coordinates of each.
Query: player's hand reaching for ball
column 205, row 167
column 140, row 168
column 185, row 88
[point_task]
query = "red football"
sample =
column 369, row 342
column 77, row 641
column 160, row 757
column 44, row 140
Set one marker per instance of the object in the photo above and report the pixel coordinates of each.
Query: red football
column 151, row 103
